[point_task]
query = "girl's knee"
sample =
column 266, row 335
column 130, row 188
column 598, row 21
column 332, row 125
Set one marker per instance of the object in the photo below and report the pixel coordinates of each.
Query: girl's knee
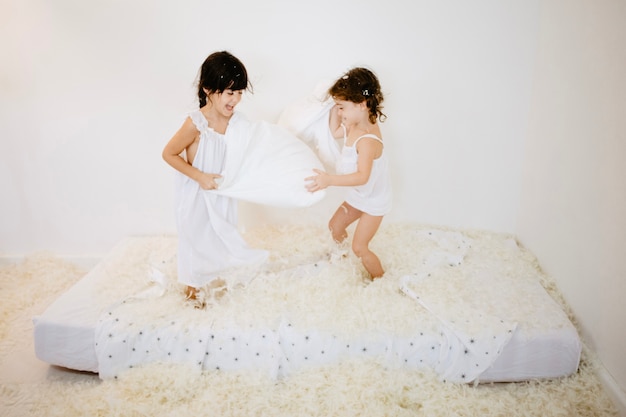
column 359, row 249
column 338, row 235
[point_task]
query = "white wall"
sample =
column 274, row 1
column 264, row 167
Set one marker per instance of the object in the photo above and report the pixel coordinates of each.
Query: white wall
column 573, row 200
column 92, row 90
column 506, row 116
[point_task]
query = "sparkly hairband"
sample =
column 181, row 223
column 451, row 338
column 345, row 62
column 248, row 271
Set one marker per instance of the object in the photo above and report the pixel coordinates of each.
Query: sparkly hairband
column 365, row 92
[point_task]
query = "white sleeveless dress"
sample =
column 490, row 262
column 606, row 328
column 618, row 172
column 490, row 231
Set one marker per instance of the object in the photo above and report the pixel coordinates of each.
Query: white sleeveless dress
column 373, row 197
column 208, row 239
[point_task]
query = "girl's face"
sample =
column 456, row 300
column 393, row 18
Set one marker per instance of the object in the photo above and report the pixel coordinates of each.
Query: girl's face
column 226, row 101
column 350, row 112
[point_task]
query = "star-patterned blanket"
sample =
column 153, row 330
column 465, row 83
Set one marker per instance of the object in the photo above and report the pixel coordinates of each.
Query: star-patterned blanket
column 460, row 338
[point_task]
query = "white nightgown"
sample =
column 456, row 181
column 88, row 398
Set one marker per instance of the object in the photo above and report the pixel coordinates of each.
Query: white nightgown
column 208, row 239
column 259, row 162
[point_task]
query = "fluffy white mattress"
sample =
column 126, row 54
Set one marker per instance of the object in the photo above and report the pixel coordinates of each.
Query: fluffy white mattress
column 468, row 304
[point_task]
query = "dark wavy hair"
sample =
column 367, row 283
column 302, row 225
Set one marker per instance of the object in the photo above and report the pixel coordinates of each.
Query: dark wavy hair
column 359, row 85
column 221, row 71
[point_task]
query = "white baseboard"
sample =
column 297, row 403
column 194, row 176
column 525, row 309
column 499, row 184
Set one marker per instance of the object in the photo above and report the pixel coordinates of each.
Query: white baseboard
column 84, row 262
column 617, row 395
column 9, row 260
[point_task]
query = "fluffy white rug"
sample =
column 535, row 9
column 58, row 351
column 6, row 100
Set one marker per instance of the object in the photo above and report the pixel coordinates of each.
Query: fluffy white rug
column 353, row 388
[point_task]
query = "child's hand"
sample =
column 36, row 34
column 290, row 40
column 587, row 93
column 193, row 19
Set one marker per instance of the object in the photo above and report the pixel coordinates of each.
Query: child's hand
column 208, row 181
column 317, row 182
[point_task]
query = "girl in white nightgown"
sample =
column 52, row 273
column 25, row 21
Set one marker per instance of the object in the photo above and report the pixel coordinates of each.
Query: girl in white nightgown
column 223, row 157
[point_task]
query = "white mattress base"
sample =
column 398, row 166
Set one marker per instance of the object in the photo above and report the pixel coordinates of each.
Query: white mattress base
column 66, row 333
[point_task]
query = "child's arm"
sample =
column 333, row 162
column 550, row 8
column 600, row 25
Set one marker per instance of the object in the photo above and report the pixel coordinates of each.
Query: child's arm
column 368, row 149
column 181, row 140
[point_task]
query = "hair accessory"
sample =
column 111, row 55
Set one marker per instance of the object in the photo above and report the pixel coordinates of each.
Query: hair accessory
column 365, row 93
column 345, row 77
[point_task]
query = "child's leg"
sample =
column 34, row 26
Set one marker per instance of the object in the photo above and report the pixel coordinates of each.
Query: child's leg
column 343, row 217
column 363, row 234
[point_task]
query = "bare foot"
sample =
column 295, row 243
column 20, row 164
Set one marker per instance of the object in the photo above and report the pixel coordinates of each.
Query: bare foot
column 191, row 293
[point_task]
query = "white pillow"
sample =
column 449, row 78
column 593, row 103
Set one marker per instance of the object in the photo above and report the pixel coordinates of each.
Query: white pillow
column 266, row 164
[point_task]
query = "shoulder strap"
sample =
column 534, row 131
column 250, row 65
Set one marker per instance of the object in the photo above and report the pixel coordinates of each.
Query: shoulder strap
column 368, row 135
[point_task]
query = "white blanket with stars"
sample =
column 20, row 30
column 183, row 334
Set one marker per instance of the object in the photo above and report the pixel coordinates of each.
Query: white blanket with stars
column 465, row 339
column 277, row 351
column 472, row 339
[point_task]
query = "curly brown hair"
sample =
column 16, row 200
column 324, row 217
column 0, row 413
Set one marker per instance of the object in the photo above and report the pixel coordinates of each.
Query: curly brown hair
column 359, row 85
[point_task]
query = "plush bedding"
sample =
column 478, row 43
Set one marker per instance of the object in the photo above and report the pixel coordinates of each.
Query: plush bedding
column 470, row 305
